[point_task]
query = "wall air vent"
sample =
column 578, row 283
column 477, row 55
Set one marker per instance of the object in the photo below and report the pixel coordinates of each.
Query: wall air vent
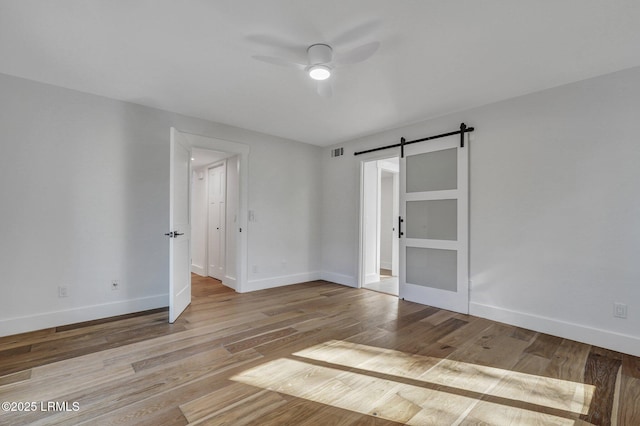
column 337, row 152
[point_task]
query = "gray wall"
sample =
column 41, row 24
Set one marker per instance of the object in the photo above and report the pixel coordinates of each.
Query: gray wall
column 84, row 183
column 554, row 208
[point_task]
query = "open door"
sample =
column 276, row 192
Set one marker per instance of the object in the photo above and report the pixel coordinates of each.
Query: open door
column 433, row 222
column 179, row 225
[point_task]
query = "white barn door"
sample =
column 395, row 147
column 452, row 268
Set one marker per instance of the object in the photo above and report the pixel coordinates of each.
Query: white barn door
column 433, row 219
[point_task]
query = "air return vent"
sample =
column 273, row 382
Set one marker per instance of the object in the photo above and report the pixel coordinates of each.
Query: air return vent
column 337, row 152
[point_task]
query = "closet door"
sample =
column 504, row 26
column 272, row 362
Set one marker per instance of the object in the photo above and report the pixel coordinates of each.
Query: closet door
column 217, row 209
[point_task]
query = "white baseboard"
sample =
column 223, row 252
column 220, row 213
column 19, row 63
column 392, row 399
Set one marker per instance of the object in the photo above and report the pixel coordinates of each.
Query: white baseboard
column 385, row 265
column 230, row 282
column 592, row 336
column 280, row 281
column 339, row 279
column 371, row 278
column 196, row 269
column 27, row 323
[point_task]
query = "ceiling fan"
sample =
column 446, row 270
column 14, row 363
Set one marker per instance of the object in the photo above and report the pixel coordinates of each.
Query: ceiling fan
column 321, row 61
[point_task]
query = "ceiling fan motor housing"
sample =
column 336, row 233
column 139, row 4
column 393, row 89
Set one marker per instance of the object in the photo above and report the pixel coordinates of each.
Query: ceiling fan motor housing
column 319, row 54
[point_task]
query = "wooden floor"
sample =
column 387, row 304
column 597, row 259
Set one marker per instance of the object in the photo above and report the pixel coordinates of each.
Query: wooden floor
column 311, row 354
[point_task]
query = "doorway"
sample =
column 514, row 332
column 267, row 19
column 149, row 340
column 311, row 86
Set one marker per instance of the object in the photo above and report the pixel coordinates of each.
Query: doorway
column 214, row 195
column 181, row 206
column 378, row 234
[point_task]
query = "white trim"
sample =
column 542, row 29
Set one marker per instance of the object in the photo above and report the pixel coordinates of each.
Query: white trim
column 280, row 281
column 230, row 282
column 589, row 335
column 372, row 278
column 449, row 194
column 28, row 323
column 435, row 244
column 446, row 299
column 385, row 265
column 333, row 277
column 196, row 269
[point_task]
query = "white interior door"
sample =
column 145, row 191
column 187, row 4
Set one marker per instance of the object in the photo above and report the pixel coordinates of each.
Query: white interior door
column 179, row 225
column 217, row 221
column 434, row 208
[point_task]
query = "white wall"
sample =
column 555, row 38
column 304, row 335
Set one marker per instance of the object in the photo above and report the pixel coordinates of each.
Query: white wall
column 84, row 183
column 554, row 229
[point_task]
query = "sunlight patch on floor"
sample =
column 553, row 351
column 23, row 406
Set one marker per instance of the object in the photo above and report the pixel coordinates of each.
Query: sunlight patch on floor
column 539, row 390
column 387, row 399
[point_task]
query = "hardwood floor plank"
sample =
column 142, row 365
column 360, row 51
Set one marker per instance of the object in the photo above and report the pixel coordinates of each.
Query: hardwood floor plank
column 629, row 406
column 544, row 345
column 409, row 319
column 420, row 338
column 246, row 412
column 631, row 366
column 15, row 377
column 259, row 340
column 218, row 400
column 601, row 371
column 85, row 324
column 15, row 351
column 523, row 334
column 31, row 359
column 568, row 362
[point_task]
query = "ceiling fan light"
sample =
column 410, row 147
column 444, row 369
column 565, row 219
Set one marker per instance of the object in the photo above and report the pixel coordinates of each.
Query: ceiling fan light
column 319, row 72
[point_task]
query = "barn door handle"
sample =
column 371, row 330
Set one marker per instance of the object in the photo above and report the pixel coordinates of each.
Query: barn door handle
column 173, row 234
column 400, row 233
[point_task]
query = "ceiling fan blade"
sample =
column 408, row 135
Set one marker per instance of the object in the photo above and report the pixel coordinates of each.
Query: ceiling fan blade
column 278, row 44
column 325, row 89
column 359, row 32
column 279, row 61
column 358, row 54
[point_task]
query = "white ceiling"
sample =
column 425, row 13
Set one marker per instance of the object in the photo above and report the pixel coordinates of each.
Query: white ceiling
column 194, row 57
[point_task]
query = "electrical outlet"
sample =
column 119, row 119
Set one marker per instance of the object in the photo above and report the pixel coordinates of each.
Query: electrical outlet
column 63, row 291
column 115, row 285
column 255, row 269
column 619, row 310
column 284, row 265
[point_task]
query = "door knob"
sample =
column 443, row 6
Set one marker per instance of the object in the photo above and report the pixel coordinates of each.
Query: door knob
column 175, row 234
column 169, row 234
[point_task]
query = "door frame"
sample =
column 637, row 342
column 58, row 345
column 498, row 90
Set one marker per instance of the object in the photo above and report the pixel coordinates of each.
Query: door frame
column 361, row 237
column 242, row 150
